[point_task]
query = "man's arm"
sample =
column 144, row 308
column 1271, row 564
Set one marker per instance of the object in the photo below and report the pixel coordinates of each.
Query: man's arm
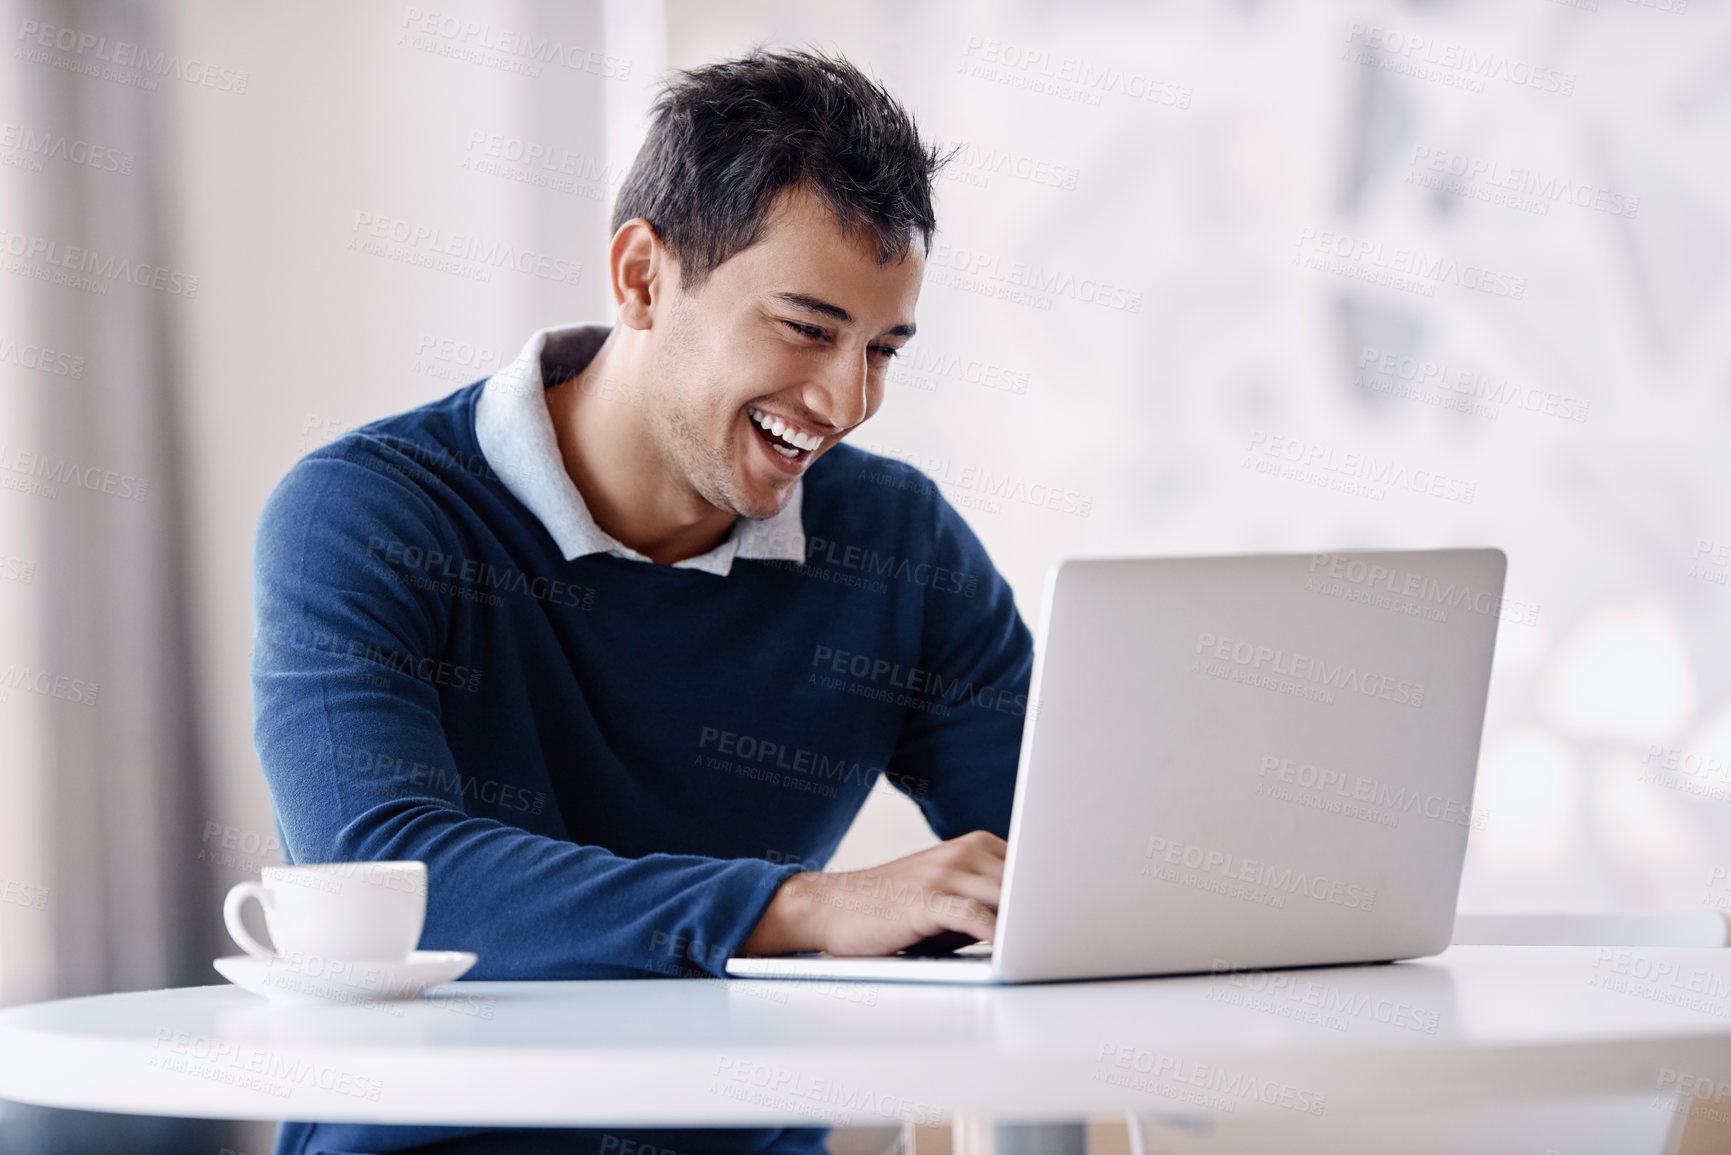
column 337, row 644
column 956, row 759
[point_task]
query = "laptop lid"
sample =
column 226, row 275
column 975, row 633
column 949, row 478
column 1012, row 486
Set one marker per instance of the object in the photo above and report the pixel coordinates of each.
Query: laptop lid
column 1247, row 761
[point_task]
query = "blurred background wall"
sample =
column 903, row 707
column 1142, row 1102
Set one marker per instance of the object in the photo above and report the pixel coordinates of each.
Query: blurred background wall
column 1210, row 277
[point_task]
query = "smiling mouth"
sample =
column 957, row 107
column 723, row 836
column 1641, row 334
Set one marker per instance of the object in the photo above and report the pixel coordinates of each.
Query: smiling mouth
column 782, row 437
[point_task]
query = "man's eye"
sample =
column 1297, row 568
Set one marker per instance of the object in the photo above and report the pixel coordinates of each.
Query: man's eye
column 803, row 329
column 887, row 351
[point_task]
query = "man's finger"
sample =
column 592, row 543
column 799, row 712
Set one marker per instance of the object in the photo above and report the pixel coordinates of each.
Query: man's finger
column 989, row 865
column 987, row 841
column 957, row 912
column 982, row 888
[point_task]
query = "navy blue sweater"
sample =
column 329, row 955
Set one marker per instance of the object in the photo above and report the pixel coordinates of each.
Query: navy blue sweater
column 609, row 766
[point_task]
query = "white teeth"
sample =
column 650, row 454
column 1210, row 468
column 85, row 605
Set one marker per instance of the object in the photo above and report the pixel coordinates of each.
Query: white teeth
column 784, row 451
column 785, row 431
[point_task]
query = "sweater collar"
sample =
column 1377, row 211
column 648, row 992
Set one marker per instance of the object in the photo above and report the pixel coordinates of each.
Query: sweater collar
column 515, row 433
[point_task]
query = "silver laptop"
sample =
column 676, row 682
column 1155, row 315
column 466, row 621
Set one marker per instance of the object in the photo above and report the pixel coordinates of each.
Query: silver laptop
column 1235, row 762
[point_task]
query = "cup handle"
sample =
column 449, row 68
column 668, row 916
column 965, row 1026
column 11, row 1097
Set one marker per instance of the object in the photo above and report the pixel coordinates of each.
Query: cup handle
column 237, row 895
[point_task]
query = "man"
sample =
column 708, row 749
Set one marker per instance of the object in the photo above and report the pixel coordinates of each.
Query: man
column 618, row 640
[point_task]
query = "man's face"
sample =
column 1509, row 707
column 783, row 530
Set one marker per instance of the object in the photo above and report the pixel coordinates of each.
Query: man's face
column 794, row 333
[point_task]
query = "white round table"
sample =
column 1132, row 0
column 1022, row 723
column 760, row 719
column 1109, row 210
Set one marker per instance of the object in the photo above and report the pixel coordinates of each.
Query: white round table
column 1474, row 1026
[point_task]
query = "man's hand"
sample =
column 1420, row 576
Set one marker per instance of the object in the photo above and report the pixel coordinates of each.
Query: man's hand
column 951, row 886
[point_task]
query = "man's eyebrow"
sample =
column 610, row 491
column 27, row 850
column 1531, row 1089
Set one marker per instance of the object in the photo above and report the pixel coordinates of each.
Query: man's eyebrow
column 834, row 312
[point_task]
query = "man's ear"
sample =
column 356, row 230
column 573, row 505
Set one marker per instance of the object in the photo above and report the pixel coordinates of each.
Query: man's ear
column 638, row 267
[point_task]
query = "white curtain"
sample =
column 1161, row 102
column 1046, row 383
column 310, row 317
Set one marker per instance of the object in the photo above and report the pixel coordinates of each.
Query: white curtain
column 219, row 203
column 100, row 774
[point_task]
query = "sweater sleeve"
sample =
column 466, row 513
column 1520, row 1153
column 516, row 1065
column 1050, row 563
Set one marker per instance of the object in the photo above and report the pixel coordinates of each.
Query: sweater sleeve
column 347, row 659
column 957, row 757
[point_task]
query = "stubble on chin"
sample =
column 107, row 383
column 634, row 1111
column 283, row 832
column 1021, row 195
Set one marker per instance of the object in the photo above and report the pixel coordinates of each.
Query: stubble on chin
column 713, row 472
column 768, row 508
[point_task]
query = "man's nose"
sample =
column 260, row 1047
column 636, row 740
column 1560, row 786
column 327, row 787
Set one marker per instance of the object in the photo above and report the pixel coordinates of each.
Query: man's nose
column 839, row 393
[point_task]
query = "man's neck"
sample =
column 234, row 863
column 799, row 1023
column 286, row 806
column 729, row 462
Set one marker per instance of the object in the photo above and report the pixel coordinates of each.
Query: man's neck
column 601, row 421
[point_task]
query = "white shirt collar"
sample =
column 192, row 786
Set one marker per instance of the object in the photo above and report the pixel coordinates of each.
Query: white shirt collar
column 515, row 433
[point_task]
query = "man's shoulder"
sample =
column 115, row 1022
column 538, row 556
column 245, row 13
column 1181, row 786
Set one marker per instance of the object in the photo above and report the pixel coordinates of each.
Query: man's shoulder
column 885, row 517
column 859, row 493
column 855, row 476
column 427, row 446
column 408, row 469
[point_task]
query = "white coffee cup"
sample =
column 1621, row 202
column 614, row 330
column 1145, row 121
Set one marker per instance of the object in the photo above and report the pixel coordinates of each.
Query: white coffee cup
column 335, row 911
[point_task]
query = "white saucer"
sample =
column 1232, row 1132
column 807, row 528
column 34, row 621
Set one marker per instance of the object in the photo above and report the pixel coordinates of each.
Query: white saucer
column 308, row 979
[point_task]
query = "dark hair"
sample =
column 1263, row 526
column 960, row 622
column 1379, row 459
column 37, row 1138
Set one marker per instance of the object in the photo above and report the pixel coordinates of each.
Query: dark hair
column 726, row 138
